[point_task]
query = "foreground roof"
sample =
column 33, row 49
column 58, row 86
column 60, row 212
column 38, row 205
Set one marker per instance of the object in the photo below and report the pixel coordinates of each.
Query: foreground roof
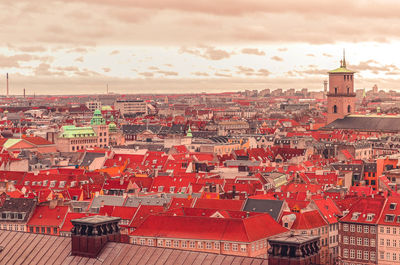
column 366, row 123
column 25, row 248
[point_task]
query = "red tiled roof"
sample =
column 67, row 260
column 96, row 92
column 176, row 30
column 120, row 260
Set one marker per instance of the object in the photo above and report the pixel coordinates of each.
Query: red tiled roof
column 45, row 216
column 223, row 229
column 234, row 205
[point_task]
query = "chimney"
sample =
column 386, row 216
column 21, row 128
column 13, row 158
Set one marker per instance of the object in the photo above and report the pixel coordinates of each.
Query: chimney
column 90, row 234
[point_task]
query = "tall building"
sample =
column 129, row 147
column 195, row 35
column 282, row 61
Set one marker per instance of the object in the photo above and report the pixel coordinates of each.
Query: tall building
column 341, row 96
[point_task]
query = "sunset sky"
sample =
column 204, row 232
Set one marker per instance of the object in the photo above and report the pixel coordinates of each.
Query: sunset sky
column 173, row 46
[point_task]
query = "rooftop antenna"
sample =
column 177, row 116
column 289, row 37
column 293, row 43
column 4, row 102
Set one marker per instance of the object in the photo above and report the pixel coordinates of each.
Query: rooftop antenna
column 344, row 58
column 7, row 84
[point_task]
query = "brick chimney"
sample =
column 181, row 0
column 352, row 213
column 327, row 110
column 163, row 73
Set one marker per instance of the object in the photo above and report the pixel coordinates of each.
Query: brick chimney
column 290, row 249
column 90, row 234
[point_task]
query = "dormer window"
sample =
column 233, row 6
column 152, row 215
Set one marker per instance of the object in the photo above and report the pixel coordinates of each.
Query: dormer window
column 370, row 216
column 160, row 188
column 355, row 216
column 392, row 206
column 389, row 218
column 172, row 189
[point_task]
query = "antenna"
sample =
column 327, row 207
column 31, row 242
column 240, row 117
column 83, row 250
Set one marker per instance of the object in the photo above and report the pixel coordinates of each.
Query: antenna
column 344, row 58
column 7, row 84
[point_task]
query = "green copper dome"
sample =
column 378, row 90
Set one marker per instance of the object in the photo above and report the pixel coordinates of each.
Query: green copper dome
column 97, row 118
column 112, row 127
column 189, row 133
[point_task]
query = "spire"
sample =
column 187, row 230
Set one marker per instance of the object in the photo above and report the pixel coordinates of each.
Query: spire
column 344, row 59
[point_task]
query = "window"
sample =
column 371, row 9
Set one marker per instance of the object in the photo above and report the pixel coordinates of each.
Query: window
column 168, row 243
column 394, row 242
column 381, row 255
column 372, row 242
column 216, row 245
column 359, row 241
column 388, row 230
column 394, row 230
column 176, row 244
column 192, row 244
column 184, row 244
column 142, row 241
column 348, row 108
column 243, row 248
column 334, row 109
column 372, row 256
column 381, row 242
column 345, row 240
column 394, row 256
column 208, row 245
column 366, row 242
column 226, row 247
column 352, row 254
column 345, row 227
column 388, row 256
column 43, row 230
column 200, row 245
column 352, row 228
column 359, row 254
column 55, row 231
column 372, row 230
column 352, row 240
column 31, row 229
column 366, row 229
column 366, row 255
column 48, row 230
column 345, row 253
column 388, row 242
column 359, row 228
column 150, row 242
column 234, row 247
column 382, row 230
column 160, row 243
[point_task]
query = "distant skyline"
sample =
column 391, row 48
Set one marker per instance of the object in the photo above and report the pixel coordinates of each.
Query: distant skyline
column 172, row 46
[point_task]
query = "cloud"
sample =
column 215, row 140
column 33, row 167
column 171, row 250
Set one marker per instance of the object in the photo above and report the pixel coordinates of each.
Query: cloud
column 282, row 49
column 253, row 51
column 146, row 74
column 79, row 59
column 207, row 52
column 245, row 70
column 276, row 58
column 327, row 55
column 310, row 55
column 222, row 75
column 374, row 67
column 106, row 69
column 200, row 74
column 15, row 60
column 167, row 73
column 114, row 52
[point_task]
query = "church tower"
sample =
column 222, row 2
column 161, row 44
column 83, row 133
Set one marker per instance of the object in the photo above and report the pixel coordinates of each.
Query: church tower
column 341, row 96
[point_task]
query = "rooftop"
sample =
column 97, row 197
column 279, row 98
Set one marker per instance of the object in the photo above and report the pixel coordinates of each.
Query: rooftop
column 25, row 248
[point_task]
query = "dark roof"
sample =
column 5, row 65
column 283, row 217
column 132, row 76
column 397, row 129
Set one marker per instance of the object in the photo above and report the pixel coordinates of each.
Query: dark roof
column 18, row 205
column 366, row 123
column 272, row 207
column 25, row 248
column 89, row 158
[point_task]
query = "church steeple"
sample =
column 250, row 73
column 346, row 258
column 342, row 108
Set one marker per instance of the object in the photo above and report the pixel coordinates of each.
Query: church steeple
column 344, row 59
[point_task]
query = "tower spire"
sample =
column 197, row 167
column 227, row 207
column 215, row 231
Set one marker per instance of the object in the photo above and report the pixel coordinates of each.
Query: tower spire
column 344, row 58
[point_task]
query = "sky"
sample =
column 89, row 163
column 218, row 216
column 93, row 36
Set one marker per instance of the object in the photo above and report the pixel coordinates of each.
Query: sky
column 176, row 46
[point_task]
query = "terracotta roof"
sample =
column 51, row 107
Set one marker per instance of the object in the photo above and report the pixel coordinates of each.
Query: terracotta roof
column 25, row 248
column 207, row 228
column 234, row 205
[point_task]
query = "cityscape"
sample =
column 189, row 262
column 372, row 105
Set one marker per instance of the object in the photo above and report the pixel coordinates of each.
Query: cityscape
column 151, row 132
